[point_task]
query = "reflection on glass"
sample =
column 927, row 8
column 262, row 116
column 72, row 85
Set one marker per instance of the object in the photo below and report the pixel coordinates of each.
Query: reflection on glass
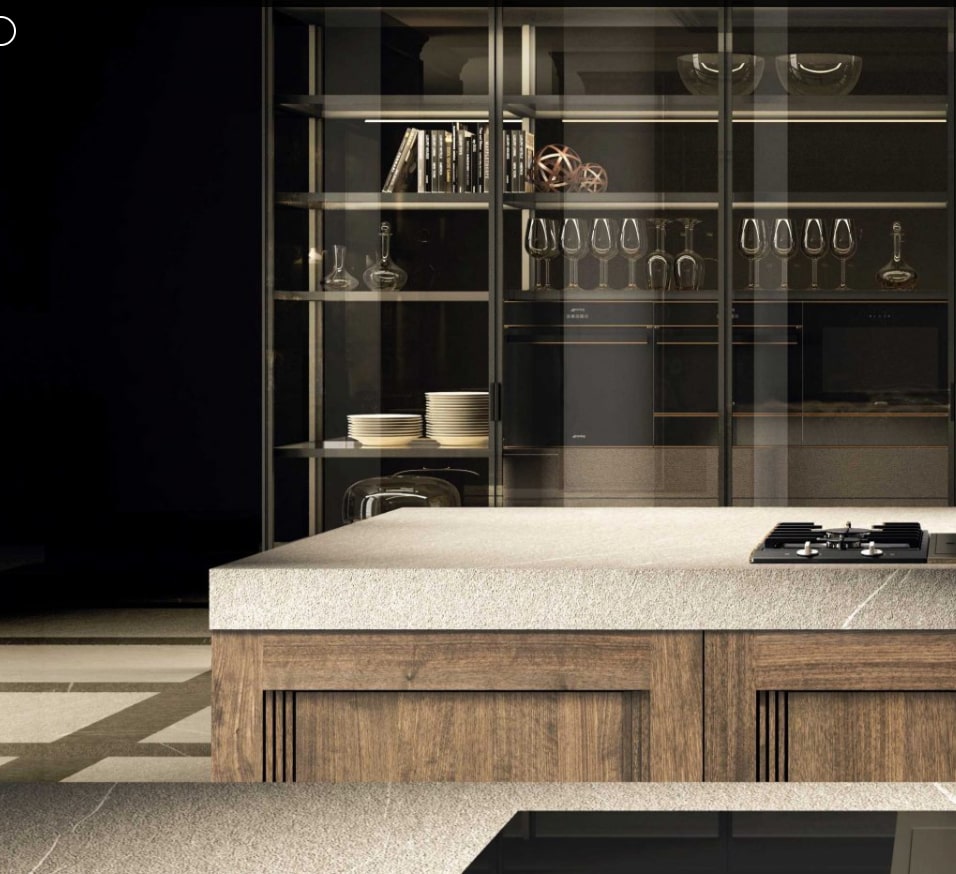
column 604, row 245
column 574, row 244
column 814, row 246
column 784, row 246
column 340, row 279
column 753, row 246
column 633, row 245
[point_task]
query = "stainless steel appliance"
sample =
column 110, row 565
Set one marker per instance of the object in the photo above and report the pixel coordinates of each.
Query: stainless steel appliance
column 807, row 542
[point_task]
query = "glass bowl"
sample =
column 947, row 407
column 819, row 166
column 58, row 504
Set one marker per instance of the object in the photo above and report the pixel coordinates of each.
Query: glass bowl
column 819, row 75
column 700, row 73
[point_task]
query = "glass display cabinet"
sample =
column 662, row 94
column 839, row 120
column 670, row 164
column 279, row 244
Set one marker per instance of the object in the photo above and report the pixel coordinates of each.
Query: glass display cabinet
column 630, row 255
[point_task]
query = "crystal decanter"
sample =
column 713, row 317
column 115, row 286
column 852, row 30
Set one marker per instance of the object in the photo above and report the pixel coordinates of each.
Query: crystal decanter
column 896, row 273
column 385, row 274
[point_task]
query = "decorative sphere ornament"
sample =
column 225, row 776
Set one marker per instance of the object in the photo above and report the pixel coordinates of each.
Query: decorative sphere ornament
column 591, row 178
column 554, row 167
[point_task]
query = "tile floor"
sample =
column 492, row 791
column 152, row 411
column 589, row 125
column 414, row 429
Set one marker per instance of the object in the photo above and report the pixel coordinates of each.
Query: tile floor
column 105, row 696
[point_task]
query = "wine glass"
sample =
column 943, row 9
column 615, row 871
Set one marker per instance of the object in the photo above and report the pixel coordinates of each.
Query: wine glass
column 688, row 265
column 843, row 241
column 633, row 244
column 814, row 244
column 660, row 263
column 541, row 243
column 784, row 245
column 754, row 245
column 574, row 244
column 604, row 245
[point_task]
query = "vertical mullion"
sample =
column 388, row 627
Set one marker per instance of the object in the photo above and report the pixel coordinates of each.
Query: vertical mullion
column 496, row 240
column 951, row 275
column 315, row 308
column 725, row 274
column 268, row 284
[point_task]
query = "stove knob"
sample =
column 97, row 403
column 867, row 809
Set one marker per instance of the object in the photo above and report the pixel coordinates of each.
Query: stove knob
column 808, row 551
column 871, row 551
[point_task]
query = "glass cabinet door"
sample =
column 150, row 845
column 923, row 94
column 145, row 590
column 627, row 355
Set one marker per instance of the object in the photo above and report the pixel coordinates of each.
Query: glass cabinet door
column 842, row 256
column 609, row 255
column 378, row 252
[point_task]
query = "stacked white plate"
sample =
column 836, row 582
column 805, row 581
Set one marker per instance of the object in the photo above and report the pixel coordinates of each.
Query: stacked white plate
column 457, row 418
column 385, row 429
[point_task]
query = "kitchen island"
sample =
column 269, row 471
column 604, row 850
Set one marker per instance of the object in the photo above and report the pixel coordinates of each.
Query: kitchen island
column 605, row 644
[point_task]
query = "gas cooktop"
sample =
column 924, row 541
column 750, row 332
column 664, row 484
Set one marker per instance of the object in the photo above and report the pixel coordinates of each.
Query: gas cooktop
column 796, row 542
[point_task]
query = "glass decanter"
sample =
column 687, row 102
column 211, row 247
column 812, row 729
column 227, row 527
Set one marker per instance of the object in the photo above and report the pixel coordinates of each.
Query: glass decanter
column 659, row 263
column 688, row 265
column 896, row 273
column 385, row 274
column 340, row 279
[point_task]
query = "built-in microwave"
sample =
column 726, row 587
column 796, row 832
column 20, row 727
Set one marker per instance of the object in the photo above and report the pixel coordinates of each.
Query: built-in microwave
column 874, row 354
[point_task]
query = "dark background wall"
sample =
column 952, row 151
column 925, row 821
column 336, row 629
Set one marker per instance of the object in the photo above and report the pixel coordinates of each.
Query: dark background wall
column 129, row 300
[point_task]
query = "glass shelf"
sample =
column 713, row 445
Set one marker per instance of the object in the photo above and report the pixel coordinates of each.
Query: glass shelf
column 845, row 200
column 611, row 108
column 611, row 200
column 422, row 448
column 359, row 296
column 379, row 201
column 852, row 108
column 388, row 107
column 609, row 295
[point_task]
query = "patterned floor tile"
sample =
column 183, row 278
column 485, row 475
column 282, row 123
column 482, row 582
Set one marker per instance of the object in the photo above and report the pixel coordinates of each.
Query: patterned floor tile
column 193, row 729
column 133, row 769
column 43, row 663
column 42, row 717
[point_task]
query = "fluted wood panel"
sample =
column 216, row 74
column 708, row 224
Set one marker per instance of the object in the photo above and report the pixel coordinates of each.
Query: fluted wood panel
column 872, row 736
column 464, row 736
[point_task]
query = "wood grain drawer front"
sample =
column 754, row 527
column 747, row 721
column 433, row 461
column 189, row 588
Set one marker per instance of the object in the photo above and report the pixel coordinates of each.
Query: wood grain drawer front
column 871, row 736
column 469, row 736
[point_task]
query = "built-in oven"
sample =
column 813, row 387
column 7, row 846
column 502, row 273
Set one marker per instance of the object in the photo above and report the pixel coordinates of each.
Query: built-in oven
column 875, row 355
column 767, row 355
column 578, row 374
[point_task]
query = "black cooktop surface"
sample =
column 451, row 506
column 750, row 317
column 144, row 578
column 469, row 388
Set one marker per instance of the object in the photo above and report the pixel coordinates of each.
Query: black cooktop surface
column 807, row 542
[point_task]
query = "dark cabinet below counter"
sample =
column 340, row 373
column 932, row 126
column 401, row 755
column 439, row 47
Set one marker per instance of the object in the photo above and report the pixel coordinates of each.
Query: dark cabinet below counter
column 584, row 706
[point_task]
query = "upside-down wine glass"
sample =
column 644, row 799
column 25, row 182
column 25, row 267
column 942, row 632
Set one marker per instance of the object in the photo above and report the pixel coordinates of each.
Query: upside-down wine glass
column 688, row 265
column 814, row 245
column 603, row 246
column 574, row 244
column 541, row 243
column 754, row 245
column 660, row 263
column 633, row 245
column 784, row 246
column 843, row 243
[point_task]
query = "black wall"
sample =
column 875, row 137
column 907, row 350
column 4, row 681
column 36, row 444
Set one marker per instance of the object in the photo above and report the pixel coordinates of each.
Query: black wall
column 129, row 300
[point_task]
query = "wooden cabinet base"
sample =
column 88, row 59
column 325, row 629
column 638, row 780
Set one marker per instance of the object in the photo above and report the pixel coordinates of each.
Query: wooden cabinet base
column 568, row 707
column 468, row 707
column 830, row 706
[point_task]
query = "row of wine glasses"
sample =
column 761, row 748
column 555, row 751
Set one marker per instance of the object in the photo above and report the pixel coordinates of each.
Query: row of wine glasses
column 605, row 239
column 814, row 242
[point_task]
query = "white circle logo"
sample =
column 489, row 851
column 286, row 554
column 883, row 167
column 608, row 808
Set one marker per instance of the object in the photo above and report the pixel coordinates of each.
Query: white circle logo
column 13, row 29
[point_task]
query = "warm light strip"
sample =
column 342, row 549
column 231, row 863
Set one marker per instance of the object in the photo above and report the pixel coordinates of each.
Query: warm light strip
column 862, row 204
column 839, row 120
column 461, row 119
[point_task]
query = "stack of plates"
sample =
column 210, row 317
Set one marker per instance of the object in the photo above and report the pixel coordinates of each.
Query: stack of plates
column 385, row 429
column 457, row 418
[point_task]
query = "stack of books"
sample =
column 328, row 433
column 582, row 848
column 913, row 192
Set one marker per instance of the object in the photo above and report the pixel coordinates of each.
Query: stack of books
column 453, row 161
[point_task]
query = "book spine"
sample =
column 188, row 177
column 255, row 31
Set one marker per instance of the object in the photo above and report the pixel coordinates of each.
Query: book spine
column 447, row 162
column 455, row 158
column 507, row 164
column 467, row 164
column 428, row 160
column 407, row 162
column 437, row 148
column 486, row 160
column 392, row 174
column 529, row 160
column 420, row 169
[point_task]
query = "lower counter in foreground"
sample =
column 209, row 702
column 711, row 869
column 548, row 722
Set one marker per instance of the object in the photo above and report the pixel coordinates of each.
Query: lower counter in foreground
column 584, row 706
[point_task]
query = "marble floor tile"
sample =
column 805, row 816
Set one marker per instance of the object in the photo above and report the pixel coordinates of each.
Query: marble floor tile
column 94, row 663
column 5, row 759
column 180, row 622
column 193, row 729
column 146, row 769
column 43, row 717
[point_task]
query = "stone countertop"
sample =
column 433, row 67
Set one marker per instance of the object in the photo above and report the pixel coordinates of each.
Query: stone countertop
column 579, row 569
column 428, row 828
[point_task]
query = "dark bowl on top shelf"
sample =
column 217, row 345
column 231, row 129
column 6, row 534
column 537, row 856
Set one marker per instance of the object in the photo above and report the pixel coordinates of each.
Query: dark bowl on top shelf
column 700, row 73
